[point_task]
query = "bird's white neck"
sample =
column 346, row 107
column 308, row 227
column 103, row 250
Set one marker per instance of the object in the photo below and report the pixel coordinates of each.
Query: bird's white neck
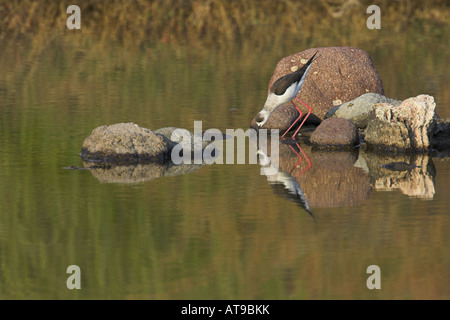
column 274, row 101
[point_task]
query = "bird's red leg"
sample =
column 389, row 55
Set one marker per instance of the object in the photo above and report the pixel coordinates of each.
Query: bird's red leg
column 306, row 117
column 301, row 114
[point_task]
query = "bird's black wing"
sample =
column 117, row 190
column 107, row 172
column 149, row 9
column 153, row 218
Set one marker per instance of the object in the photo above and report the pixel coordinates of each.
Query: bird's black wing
column 280, row 86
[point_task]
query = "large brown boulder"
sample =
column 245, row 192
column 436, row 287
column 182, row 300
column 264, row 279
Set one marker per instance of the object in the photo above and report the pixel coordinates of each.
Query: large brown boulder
column 337, row 75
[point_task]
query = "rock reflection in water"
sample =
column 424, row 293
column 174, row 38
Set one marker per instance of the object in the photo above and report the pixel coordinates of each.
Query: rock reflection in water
column 332, row 178
column 414, row 175
column 138, row 173
column 327, row 178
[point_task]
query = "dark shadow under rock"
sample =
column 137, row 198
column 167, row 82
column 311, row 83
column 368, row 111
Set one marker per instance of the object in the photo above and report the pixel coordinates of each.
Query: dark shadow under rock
column 440, row 139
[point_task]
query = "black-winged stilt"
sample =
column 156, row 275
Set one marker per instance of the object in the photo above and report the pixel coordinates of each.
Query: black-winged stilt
column 283, row 90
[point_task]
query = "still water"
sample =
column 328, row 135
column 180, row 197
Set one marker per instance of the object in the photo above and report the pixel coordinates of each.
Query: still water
column 220, row 231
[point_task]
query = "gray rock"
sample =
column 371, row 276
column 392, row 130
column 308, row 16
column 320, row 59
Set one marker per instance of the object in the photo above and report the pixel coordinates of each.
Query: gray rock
column 357, row 110
column 407, row 127
column 127, row 153
column 168, row 132
column 125, row 143
column 335, row 132
column 177, row 136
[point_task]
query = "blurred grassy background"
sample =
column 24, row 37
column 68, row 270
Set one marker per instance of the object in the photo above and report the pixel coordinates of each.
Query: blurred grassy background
column 194, row 31
column 212, row 21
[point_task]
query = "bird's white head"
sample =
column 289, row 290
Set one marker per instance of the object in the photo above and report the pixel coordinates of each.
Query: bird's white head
column 262, row 117
column 271, row 104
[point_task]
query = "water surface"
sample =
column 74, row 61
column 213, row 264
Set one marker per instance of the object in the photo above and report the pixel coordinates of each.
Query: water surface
column 220, row 231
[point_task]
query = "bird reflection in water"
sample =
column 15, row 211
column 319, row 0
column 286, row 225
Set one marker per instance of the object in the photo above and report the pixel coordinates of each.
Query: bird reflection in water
column 282, row 182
